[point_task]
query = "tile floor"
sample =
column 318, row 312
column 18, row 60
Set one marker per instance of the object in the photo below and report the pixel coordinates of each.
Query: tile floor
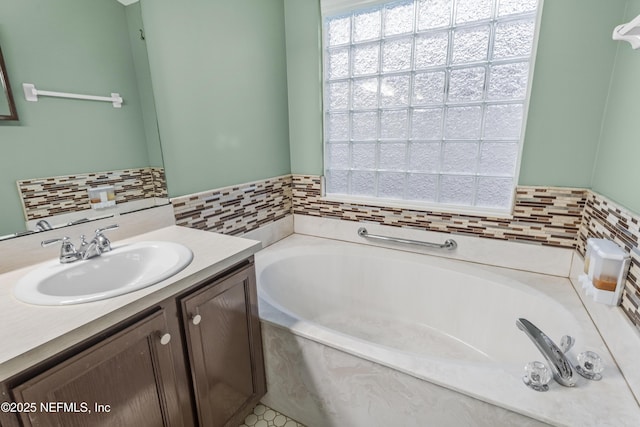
column 263, row 416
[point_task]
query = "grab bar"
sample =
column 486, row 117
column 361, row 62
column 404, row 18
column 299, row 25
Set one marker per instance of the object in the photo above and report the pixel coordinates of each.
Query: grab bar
column 449, row 244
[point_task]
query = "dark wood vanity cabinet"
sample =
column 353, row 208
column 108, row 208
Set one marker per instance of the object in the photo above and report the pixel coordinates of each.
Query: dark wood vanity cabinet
column 128, row 379
column 224, row 348
column 196, row 359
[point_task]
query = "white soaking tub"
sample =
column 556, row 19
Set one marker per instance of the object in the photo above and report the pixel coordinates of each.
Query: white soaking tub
column 357, row 335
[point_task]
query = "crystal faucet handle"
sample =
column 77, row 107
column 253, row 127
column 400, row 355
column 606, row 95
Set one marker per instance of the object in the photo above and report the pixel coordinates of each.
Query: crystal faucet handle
column 566, row 342
column 537, row 376
column 590, row 365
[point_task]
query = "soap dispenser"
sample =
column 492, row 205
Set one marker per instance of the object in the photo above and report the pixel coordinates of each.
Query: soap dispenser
column 102, row 197
column 606, row 266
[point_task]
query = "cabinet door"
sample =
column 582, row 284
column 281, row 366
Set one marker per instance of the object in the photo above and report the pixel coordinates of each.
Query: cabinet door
column 225, row 348
column 125, row 380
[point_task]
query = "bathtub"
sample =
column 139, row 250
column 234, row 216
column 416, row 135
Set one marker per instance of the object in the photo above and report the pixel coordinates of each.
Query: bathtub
column 356, row 335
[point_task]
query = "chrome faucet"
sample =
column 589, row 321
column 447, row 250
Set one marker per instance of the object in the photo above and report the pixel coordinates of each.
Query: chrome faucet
column 96, row 247
column 43, row 225
column 561, row 367
column 88, row 249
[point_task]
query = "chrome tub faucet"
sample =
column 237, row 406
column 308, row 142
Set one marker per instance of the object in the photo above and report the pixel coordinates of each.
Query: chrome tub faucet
column 563, row 371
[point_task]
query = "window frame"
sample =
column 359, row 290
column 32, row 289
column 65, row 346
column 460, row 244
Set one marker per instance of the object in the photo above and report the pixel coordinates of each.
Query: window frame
column 350, row 6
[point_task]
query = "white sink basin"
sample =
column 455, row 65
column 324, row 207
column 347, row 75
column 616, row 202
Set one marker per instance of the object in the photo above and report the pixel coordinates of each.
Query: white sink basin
column 125, row 269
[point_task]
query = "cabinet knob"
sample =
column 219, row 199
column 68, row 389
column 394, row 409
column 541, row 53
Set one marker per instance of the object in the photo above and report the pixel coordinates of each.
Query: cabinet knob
column 196, row 319
column 165, row 338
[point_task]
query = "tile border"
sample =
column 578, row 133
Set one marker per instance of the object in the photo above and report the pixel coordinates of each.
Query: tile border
column 542, row 215
column 50, row 196
column 236, row 209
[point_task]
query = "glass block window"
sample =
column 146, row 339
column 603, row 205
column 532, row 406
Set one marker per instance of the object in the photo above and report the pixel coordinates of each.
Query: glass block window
column 425, row 100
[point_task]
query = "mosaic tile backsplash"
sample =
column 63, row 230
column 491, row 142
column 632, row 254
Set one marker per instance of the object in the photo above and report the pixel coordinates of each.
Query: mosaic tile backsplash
column 562, row 217
column 44, row 197
column 237, row 209
column 548, row 216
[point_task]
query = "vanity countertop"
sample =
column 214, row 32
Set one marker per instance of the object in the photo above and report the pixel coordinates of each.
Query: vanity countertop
column 32, row 333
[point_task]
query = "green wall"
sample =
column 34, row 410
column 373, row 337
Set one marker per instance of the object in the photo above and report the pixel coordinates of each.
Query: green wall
column 304, row 71
column 571, row 79
column 220, row 82
column 69, row 46
column 143, row 78
column 616, row 173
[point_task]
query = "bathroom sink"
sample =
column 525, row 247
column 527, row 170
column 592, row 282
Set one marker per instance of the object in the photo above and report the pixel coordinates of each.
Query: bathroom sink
column 126, row 268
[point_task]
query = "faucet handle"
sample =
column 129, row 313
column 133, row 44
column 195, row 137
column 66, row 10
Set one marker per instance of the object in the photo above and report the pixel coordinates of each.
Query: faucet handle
column 590, row 365
column 103, row 243
column 68, row 252
column 107, row 228
column 566, row 342
column 50, row 242
column 537, row 376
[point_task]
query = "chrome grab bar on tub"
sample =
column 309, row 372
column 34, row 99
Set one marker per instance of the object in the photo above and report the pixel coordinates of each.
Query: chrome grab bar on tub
column 449, row 244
